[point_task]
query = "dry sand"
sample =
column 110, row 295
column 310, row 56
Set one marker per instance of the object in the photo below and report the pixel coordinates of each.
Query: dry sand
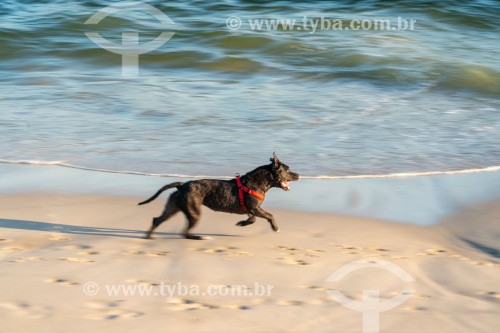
column 52, row 246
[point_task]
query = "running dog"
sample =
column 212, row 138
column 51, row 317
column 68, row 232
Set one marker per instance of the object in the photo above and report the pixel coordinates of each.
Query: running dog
column 240, row 195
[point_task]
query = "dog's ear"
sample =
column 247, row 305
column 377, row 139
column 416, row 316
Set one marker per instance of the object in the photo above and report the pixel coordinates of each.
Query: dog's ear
column 276, row 162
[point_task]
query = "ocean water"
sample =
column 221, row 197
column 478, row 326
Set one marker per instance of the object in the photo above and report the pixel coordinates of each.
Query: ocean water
column 215, row 101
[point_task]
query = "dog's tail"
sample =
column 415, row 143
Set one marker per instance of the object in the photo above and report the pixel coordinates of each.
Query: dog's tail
column 164, row 188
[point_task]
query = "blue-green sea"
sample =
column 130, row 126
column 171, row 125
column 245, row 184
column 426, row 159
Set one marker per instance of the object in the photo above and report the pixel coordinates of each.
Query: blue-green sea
column 215, row 100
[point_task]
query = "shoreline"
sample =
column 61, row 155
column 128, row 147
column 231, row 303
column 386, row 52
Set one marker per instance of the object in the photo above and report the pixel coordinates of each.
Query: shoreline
column 416, row 200
column 63, row 164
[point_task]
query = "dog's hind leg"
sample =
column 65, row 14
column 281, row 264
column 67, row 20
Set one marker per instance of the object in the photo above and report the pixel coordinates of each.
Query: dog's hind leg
column 171, row 208
column 259, row 212
column 250, row 220
column 193, row 213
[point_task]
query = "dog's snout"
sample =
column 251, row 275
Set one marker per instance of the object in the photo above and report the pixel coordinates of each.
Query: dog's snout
column 295, row 176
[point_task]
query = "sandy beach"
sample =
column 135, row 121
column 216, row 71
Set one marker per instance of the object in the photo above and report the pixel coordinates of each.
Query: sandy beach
column 60, row 253
column 388, row 110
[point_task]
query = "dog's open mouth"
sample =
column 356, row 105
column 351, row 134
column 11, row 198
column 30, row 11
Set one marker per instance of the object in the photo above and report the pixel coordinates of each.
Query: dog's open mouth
column 285, row 185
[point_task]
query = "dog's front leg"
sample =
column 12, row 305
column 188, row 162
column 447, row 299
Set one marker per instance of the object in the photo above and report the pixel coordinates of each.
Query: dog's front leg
column 259, row 212
column 250, row 220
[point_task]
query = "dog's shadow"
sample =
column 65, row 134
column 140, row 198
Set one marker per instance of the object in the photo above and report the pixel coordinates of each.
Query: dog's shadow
column 92, row 231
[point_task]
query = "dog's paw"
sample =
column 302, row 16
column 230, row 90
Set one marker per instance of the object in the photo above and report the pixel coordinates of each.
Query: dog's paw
column 275, row 228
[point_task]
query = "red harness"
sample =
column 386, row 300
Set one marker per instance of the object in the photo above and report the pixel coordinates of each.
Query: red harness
column 242, row 188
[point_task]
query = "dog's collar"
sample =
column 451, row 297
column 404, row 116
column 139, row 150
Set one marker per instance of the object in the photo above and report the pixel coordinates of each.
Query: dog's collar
column 241, row 189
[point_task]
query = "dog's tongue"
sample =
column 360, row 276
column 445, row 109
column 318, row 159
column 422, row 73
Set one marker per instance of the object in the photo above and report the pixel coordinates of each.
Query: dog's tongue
column 285, row 185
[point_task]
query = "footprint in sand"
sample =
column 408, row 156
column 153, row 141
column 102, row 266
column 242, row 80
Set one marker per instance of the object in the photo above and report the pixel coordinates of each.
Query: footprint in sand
column 78, row 246
column 26, row 259
column 372, row 251
column 88, row 253
column 435, row 251
column 26, row 310
column 297, row 256
column 456, row 256
column 75, row 260
column 62, row 281
column 399, row 257
column 432, row 252
column 315, row 288
column 12, row 248
column 136, row 252
column 289, row 303
column 414, row 308
column 482, row 263
column 377, row 249
column 493, row 294
column 236, row 307
column 157, row 253
column 240, row 254
column 224, row 250
column 299, row 250
column 348, row 247
column 220, row 249
column 105, row 310
column 59, row 238
column 147, row 253
column 466, row 259
column 181, row 304
column 293, row 261
column 142, row 282
column 349, row 252
column 377, row 252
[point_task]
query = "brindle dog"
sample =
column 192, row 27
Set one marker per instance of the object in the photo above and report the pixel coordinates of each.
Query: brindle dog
column 223, row 196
